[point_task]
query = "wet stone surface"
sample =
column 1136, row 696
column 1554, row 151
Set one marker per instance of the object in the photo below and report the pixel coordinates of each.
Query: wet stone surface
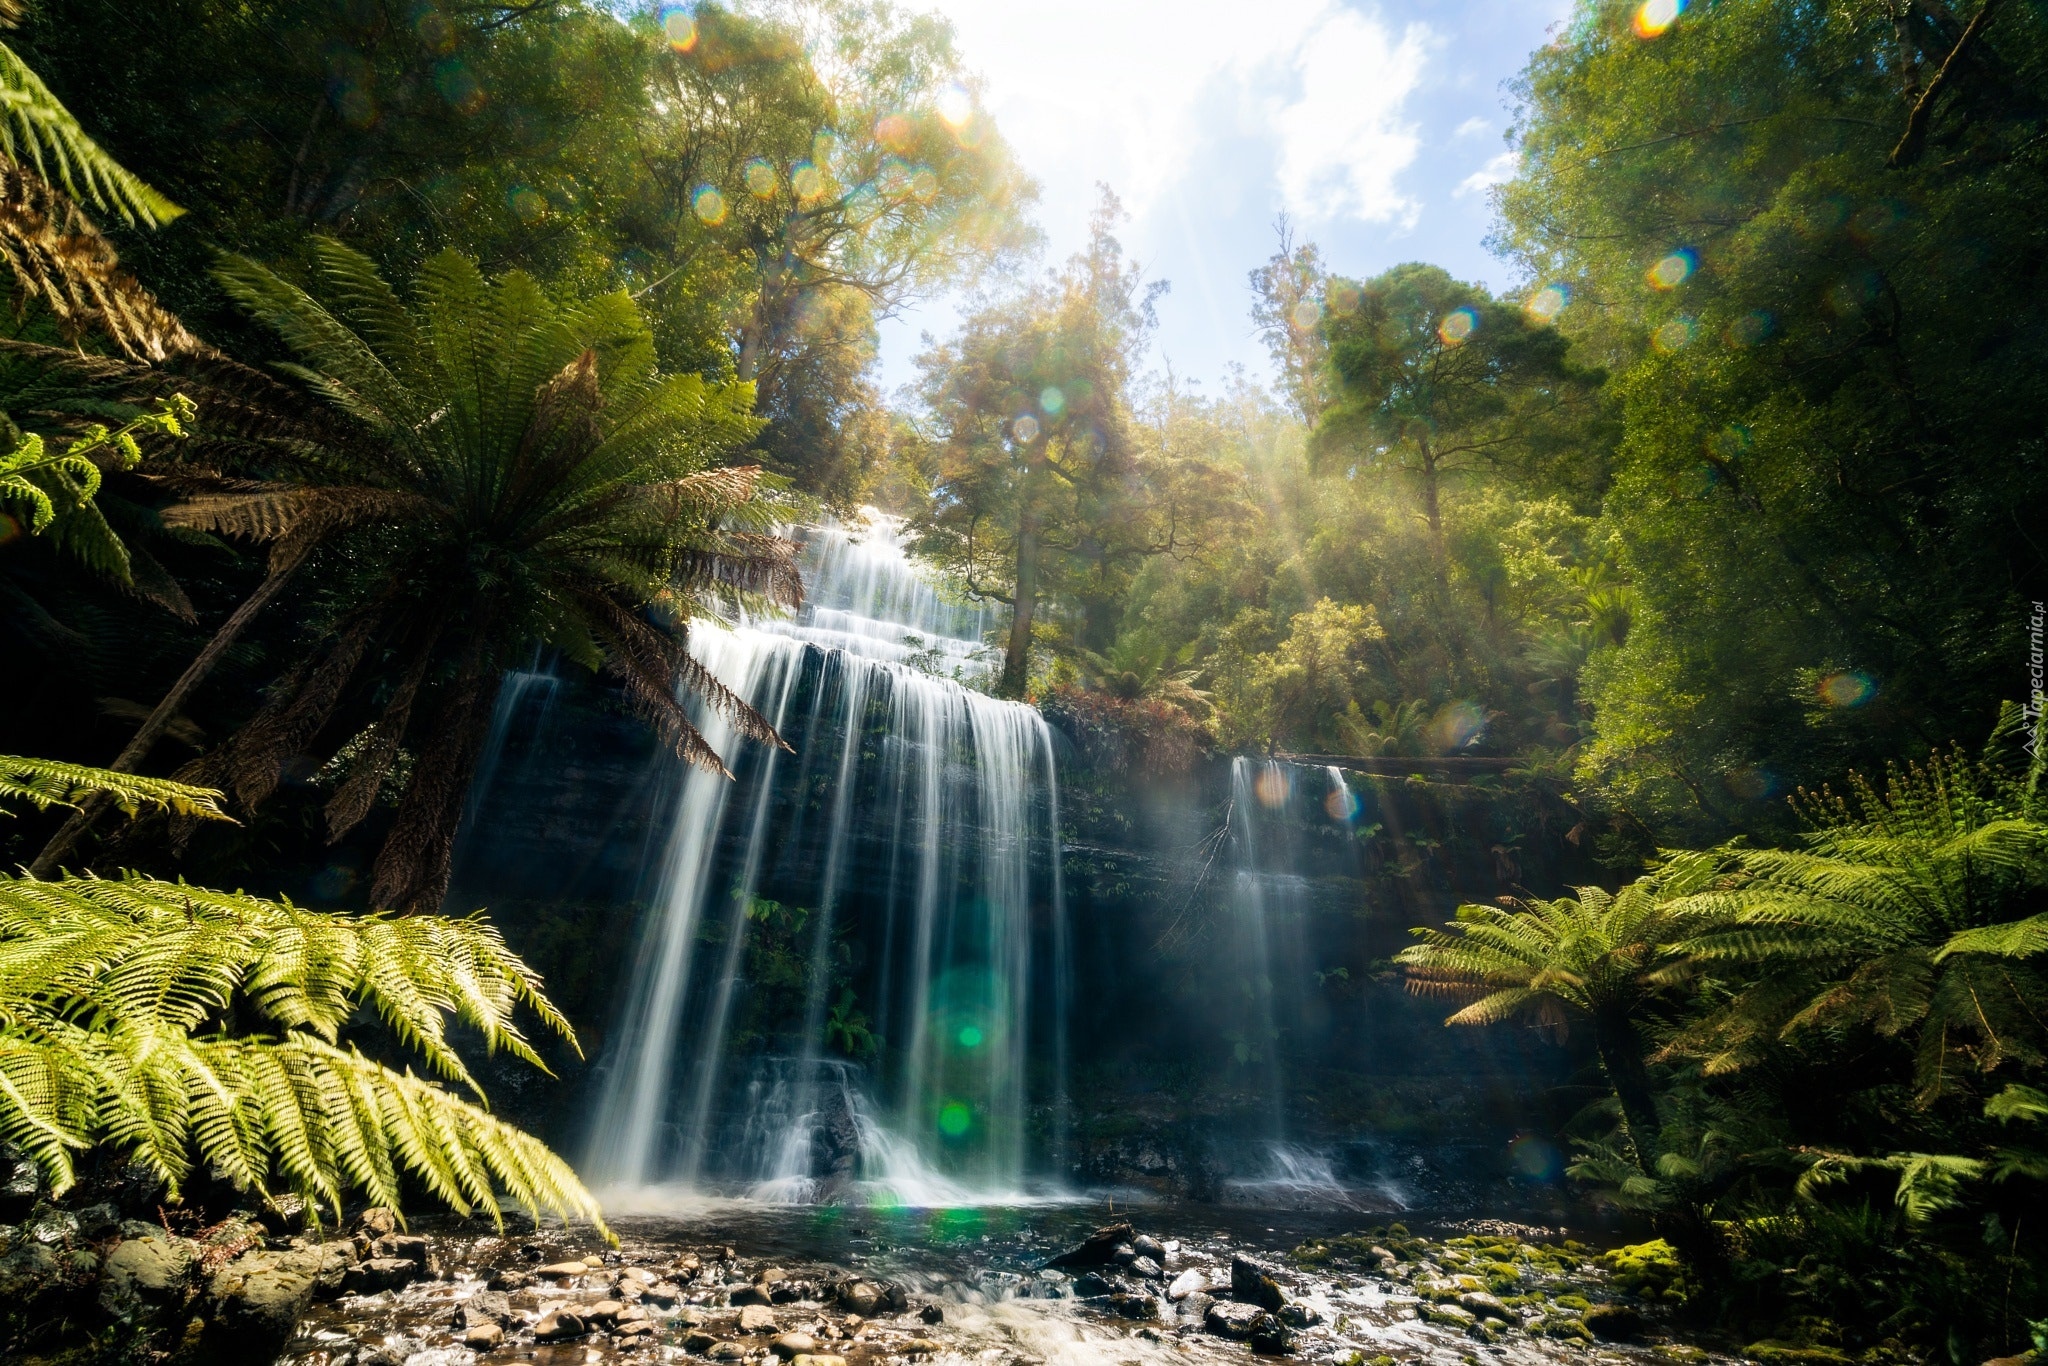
column 857, row 1288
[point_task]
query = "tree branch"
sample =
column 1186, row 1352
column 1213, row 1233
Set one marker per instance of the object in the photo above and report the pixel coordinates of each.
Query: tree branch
column 1908, row 150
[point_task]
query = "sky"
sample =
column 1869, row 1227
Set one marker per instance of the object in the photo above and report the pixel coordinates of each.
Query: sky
column 1376, row 127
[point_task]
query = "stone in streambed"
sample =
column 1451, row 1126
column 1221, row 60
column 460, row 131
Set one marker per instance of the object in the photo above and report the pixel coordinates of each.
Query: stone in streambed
column 483, row 1337
column 809, row 1359
column 1145, row 1245
column 1194, row 1307
column 1098, row 1249
column 1485, row 1306
column 750, row 1295
column 481, row 1308
column 1615, row 1322
column 559, row 1326
column 561, row 1270
column 1254, row 1283
column 1231, row 1320
column 793, row 1345
column 1134, row 1306
column 699, row 1342
column 727, row 1351
column 662, row 1293
column 603, row 1312
column 755, row 1318
column 1186, row 1284
column 1270, row 1337
column 860, row 1297
column 932, row 1313
column 1144, row 1268
column 1295, row 1314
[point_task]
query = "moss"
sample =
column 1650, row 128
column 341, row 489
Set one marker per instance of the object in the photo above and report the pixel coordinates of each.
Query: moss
column 1774, row 1353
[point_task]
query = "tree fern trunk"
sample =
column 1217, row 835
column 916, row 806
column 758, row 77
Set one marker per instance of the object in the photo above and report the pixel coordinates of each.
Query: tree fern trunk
column 159, row 720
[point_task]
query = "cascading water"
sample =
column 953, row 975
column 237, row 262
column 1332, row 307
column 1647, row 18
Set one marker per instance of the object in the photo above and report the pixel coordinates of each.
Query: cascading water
column 915, row 825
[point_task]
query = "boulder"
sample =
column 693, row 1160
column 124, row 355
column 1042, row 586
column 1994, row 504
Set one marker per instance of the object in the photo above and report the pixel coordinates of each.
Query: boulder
column 486, row 1306
column 1270, row 1337
column 1145, row 1245
column 559, row 1326
column 699, row 1342
column 561, row 1270
column 379, row 1273
column 148, row 1278
column 932, row 1313
column 860, row 1297
column 409, row 1247
column 1449, row 1314
column 793, row 1345
column 1254, row 1283
column 376, row 1222
column 751, row 1294
column 602, row 1314
column 1145, row 1269
column 1128, row 1306
column 1098, row 1249
column 629, row 1329
column 483, row 1337
column 727, row 1351
column 755, row 1318
column 505, row 1278
column 1295, row 1314
column 1485, row 1306
column 254, row 1302
column 1227, row 1319
column 919, row 1347
column 1186, row 1284
column 1090, row 1284
column 792, row 1292
column 1194, row 1307
column 1615, row 1322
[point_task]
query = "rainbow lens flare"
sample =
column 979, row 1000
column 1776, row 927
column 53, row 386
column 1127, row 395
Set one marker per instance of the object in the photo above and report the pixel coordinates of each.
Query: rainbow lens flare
column 1848, row 688
column 1675, row 335
column 807, row 180
column 1052, row 400
column 709, row 204
column 760, row 178
column 1654, row 18
column 1343, row 298
column 1025, row 429
column 896, row 132
column 956, row 106
column 1305, row 315
column 679, row 28
column 1460, row 324
column 1342, row 804
column 1675, row 269
column 1546, row 303
column 1272, row 787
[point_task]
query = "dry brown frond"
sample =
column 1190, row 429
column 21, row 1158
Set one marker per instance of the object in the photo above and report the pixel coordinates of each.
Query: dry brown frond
column 57, row 255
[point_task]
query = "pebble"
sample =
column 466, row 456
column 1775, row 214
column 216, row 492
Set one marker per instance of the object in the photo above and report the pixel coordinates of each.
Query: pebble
column 483, row 1337
column 755, row 1318
column 791, row 1345
column 560, row 1270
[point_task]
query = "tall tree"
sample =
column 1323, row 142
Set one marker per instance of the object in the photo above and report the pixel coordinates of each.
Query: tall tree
column 1039, row 486
column 1287, row 311
column 1805, row 285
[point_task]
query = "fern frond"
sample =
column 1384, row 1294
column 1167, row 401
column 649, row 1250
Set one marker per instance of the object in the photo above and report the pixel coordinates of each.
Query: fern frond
column 37, row 130
column 44, row 783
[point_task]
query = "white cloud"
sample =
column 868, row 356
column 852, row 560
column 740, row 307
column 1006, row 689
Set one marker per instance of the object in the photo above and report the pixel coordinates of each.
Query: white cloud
column 1473, row 127
column 1343, row 140
column 1501, row 168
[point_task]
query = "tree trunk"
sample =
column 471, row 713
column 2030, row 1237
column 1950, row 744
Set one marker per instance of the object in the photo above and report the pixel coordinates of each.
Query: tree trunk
column 1024, row 605
column 1432, row 509
column 152, row 729
column 1621, row 1058
column 413, row 867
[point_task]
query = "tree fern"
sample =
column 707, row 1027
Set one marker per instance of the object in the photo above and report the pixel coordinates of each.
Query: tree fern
column 44, row 783
column 113, row 1000
column 1899, row 915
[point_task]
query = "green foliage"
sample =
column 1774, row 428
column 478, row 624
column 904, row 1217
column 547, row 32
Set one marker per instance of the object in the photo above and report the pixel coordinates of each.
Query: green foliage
column 44, row 783
column 37, row 130
column 59, row 490
column 182, row 1025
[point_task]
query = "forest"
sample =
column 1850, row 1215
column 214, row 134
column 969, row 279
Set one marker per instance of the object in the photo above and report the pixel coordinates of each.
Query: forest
column 363, row 355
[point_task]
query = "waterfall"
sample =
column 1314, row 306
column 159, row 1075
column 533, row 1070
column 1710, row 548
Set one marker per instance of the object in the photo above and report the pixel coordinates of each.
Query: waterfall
column 1268, row 899
column 907, row 850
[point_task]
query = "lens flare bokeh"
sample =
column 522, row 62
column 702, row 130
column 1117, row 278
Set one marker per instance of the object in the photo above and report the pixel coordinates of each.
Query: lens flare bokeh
column 709, row 204
column 1025, row 429
column 1675, row 269
column 1654, row 18
column 1458, row 325
column 679, row 27
column 1546, row 303
column 1848, row 688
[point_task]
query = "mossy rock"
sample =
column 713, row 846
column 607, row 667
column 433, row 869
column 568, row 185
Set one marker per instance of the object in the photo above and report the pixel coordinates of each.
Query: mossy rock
column 1772, row 1352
